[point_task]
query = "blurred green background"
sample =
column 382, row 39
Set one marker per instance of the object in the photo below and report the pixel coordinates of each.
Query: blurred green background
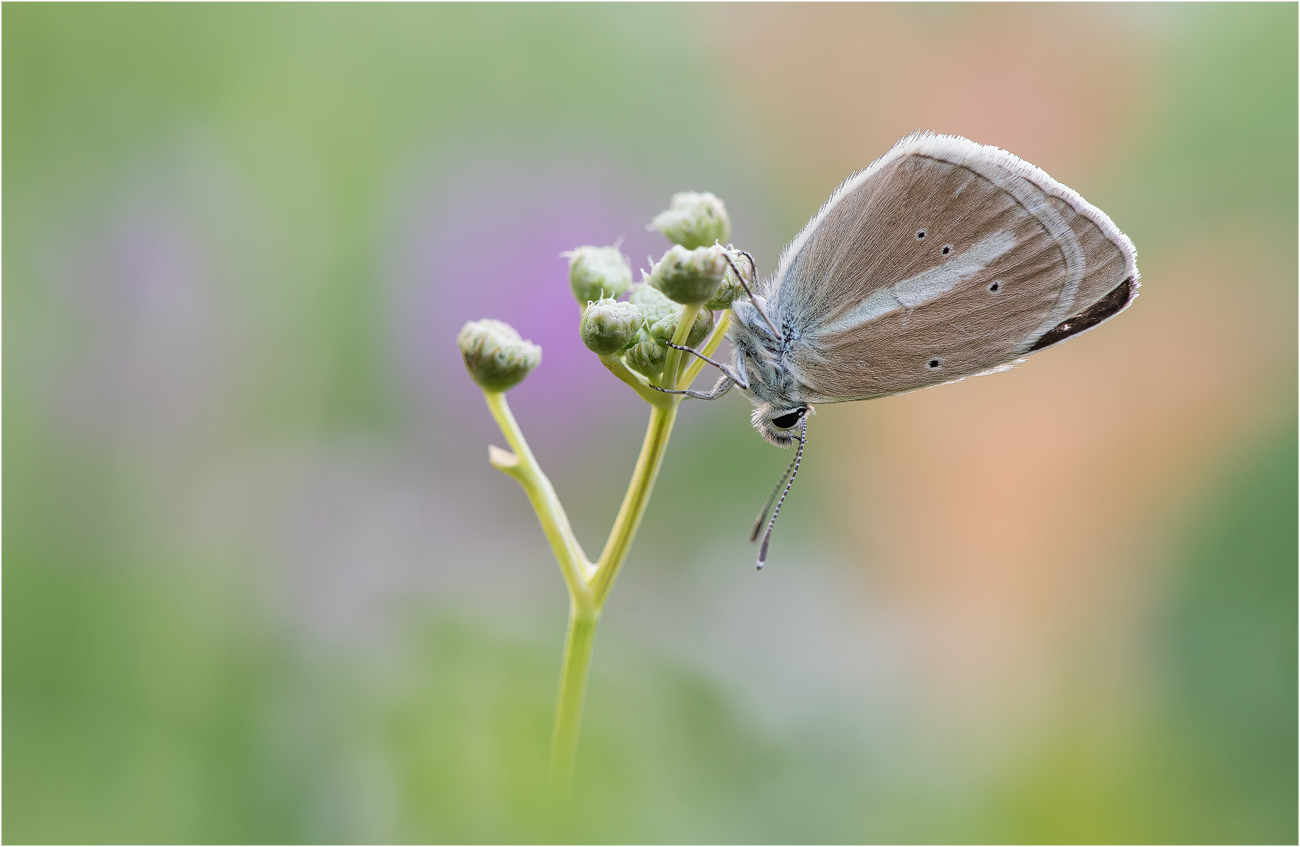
column 260, row 583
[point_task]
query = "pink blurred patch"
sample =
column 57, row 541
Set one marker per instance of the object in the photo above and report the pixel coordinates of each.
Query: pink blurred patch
column 485, row 242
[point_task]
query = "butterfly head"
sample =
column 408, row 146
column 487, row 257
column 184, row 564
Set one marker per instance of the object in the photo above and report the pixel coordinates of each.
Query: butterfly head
column 779, row 426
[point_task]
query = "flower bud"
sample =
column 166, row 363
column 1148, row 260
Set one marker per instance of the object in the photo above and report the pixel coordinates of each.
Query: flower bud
column 690, row 276
column 729, row 292
column 663, row 329
column 609, row 326
column 596, row 272
column 694, row 220
column 653, row 304
column 495, row 356
column 646, row 356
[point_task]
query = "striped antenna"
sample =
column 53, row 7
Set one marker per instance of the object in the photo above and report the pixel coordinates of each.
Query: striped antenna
column 794, row 469
column 776, row 333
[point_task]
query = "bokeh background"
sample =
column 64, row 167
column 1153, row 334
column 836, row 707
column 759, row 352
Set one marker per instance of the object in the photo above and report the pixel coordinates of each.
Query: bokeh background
column 260, row 583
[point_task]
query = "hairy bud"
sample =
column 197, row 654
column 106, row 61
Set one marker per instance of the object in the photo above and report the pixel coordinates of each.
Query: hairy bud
column 694, row 220
column 653, row 304
column 598, row 272
column 609, row 326
column 690, row 276
column 646, row 356
column 729, row 292
column 495, row 355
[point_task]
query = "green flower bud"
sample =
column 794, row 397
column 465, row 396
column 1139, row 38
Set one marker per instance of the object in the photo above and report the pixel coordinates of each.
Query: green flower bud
column 609, row 326
column 663, row 329
column 495, row 356
column 596, row 272
column 646, row 356
column 652, row 303
column 729, row 292
column 690, row 276
column 694, row 220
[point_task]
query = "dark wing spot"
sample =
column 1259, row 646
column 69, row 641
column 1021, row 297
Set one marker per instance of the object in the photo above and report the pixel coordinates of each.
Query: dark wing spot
column 947, row 248
column 995, row 286
column 933, row 363
column 1107, row 307
column 920, row 233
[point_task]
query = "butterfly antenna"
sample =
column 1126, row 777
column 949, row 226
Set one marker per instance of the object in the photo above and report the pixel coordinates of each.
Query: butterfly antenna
column 753, row 266
column 754, row 302
column 767, row 507
column 794, row 469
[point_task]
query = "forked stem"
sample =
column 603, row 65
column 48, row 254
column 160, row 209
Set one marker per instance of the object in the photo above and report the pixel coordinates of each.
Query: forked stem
column 550, row 512
column 589, row 584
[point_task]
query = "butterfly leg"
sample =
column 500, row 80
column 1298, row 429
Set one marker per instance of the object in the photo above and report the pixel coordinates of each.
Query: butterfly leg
column 757, row 304
column 731, row 375
column 722, row 386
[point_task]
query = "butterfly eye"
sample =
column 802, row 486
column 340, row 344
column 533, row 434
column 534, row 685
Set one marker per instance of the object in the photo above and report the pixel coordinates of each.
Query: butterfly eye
column 787, row 420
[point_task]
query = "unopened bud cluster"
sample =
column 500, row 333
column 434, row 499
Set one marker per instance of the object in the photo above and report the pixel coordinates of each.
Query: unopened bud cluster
column 696, row 271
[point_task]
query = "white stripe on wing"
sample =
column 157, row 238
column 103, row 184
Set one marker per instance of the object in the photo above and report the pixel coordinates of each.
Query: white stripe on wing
column 925, row 286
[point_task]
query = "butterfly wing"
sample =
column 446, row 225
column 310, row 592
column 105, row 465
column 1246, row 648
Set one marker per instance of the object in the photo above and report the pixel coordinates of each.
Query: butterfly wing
column 943, row 260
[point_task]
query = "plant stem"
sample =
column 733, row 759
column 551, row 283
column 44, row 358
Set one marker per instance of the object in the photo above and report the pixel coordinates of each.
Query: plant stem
column 573, row 690
column 589, row 585
column 630, row 513
column 709, row 347
column 582, row 620
column 634, row 502
column 636, row 381
column 668, row 379
column 555, row 523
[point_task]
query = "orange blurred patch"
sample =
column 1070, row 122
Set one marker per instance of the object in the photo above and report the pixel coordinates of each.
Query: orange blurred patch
column 1016, row 511
column 1057, row 84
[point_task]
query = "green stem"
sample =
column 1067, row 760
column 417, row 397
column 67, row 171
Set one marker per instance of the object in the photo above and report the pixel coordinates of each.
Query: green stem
column 709, row 347
column 668, row 379
column 573, row 690
column 555, row 523
column 582, row 621
column 634, row 502
column 589, row 585
column 615, row 366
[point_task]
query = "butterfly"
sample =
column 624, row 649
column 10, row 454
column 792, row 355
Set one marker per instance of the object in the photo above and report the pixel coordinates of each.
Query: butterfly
column 943, row 259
